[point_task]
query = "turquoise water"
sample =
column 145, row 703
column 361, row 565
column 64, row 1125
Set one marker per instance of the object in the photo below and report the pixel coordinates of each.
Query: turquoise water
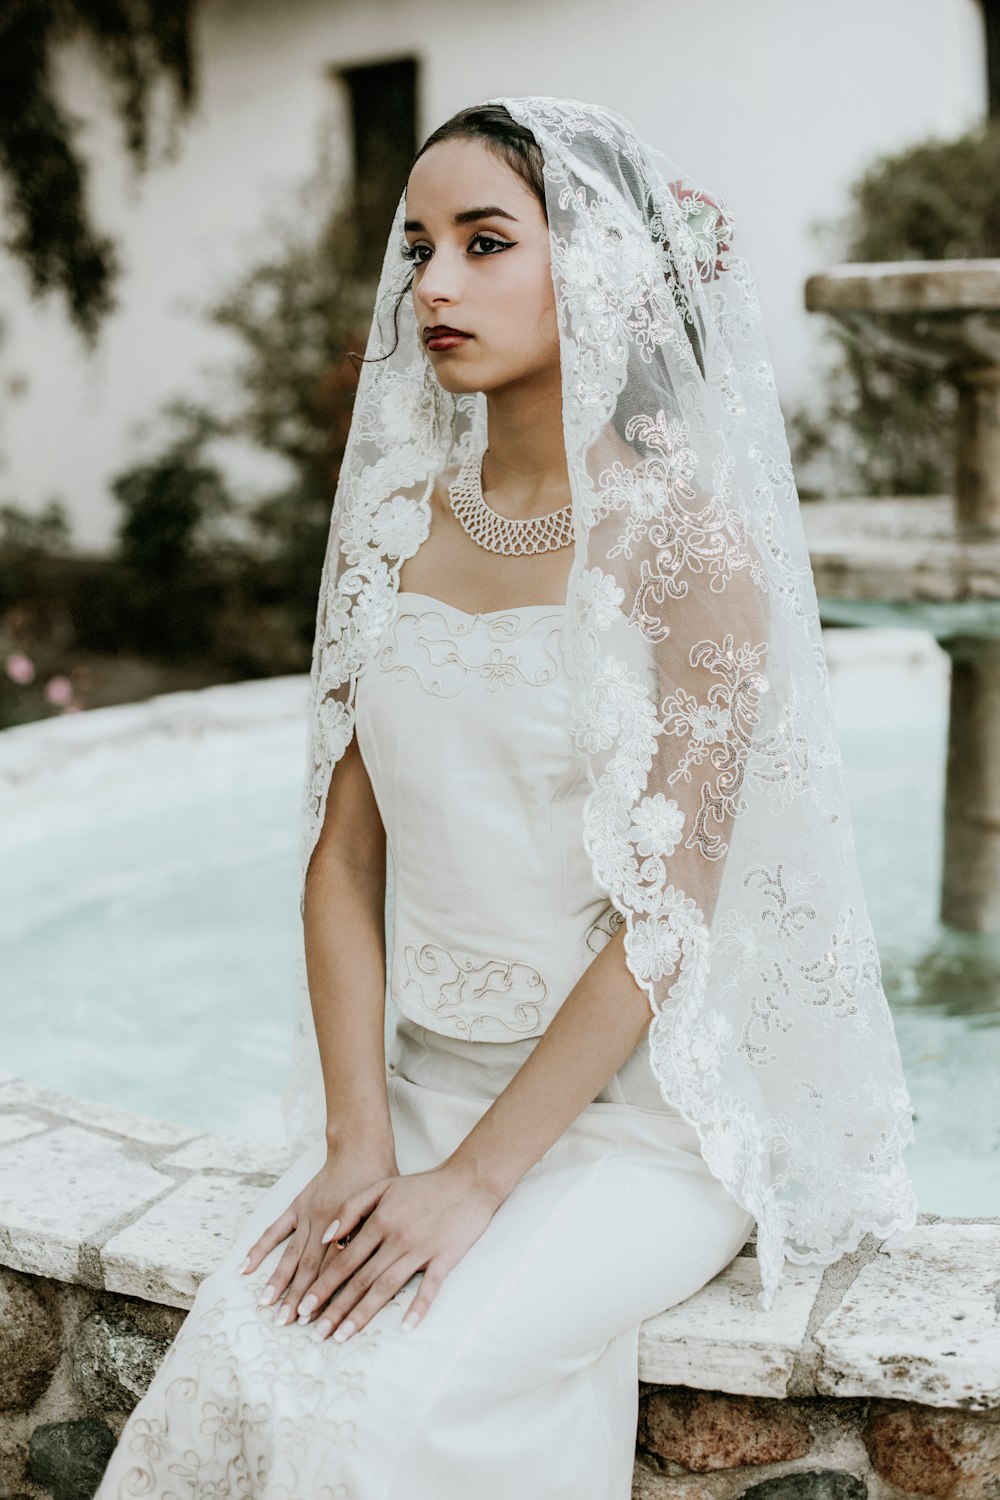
column 943, row 986
column 147, row 958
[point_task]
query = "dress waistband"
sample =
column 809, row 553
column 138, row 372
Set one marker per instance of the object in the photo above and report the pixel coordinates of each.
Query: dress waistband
column 482, row 1070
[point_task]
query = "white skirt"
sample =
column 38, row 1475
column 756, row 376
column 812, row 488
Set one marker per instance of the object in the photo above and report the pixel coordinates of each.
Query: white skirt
column 521, row 1379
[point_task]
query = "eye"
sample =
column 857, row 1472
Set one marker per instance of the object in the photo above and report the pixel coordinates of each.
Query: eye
column 490, row 243
column 415, row 253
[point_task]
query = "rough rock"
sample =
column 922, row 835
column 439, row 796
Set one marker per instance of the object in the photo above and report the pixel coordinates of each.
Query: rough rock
column 13, row 1458
column 30, row 1339
column 703, row 1430
column 950, row 1455
column 114, row 1361
column 68, row 1458
column 650, row 1484
column 811, row 1484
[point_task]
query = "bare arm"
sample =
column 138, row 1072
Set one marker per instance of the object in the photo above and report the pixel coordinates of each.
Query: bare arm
column 591, row 1035
column 344, row 933
column 344, row 930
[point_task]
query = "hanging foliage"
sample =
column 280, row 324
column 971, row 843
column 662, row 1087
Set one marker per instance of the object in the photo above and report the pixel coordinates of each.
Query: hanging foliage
column 49, row 229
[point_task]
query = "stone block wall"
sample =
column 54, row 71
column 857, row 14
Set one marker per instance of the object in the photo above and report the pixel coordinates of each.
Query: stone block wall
column 876, row 1378
column 73, row 1363
column 709, row 1445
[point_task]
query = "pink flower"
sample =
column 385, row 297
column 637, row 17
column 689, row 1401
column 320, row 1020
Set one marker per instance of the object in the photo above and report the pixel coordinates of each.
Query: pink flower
column 59, row 690
column 20, row 668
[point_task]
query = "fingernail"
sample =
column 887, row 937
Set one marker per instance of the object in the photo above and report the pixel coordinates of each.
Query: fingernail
column 266, row 1296
column 329, row 1233
column 322, row 1328
column 410, row 1321
column 245, row 1264
column 344, row 1332
column 284, row 1315
column 307, row 1304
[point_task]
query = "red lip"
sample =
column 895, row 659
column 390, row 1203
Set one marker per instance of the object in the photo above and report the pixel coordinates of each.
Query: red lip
column 443, row 337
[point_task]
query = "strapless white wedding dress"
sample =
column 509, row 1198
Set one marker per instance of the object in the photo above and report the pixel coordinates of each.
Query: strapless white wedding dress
column 521, row 1381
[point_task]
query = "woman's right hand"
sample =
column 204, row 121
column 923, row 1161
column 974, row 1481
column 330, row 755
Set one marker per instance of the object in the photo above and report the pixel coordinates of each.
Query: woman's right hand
column 349, row 1168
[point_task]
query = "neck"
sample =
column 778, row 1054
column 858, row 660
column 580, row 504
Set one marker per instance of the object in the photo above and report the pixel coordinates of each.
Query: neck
column 526, row 462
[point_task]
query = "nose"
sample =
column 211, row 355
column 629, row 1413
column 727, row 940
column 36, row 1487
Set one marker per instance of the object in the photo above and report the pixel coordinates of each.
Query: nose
column 438, row 282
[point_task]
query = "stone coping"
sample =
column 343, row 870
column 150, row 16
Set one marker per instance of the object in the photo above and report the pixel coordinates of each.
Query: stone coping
column 96, row 1196
column 903, row 550
column 906, row 286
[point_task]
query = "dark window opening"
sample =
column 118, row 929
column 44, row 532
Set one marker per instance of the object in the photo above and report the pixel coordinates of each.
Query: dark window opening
column 383, row 113
column 991, row 17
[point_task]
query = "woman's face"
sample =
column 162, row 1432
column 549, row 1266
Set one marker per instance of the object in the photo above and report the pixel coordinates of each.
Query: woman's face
column 480, row 247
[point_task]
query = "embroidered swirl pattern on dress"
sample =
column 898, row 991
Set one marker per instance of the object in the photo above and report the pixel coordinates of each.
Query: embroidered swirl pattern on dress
column 442, row 652
column 473, row 996
column 601, row 932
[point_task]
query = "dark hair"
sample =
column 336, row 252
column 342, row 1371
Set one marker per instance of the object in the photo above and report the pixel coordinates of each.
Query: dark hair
column 500, row 133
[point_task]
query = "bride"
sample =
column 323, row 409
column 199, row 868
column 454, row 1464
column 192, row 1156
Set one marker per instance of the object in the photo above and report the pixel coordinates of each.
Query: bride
column 568, row 678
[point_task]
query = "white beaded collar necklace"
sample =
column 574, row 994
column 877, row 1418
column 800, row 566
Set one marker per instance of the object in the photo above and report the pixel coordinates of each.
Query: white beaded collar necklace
column 499, row 533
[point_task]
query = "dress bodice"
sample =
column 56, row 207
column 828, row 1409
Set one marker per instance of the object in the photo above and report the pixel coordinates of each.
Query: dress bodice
column 463, row 723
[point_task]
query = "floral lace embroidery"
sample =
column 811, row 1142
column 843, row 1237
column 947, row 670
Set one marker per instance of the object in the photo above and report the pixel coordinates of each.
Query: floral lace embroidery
column 211, row 1423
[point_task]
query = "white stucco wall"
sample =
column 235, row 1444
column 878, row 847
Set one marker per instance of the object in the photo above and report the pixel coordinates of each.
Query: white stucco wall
column 777, row 104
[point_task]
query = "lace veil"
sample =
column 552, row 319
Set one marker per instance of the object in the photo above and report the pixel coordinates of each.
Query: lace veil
column 717, row 819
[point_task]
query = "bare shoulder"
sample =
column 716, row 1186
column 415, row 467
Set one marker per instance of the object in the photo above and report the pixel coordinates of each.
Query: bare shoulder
column 439, row 502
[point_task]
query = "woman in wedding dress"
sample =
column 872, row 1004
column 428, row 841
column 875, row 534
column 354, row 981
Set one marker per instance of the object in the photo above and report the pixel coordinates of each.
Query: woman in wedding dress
column 568, row 679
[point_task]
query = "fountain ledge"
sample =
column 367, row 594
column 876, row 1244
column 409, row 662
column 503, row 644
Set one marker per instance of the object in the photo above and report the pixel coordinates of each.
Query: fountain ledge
column 127, row 1203
column 111, row 1220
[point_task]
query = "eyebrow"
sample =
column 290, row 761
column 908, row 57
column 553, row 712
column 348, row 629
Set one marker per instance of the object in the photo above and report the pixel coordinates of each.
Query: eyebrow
column 468, row 216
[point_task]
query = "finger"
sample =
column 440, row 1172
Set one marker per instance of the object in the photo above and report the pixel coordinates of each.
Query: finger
column 363, row 1298
column 325, row 1281
column 356, row 1286
column 311, row 1256
column 341, row 1265
column 286, row 1267
column 354, row 1209
column 430, row 1285
column 273, row 1235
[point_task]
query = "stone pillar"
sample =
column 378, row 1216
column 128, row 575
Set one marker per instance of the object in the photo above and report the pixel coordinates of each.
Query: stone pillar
column 970, row 887
column 977, row 448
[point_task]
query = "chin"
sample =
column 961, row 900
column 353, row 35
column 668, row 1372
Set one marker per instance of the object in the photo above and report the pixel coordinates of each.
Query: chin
column 459, row 382
column 462, row 381
column 455, row 386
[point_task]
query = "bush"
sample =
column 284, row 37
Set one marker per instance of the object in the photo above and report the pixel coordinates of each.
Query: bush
column 171, row 573
column 886, row 425
column 207, row 572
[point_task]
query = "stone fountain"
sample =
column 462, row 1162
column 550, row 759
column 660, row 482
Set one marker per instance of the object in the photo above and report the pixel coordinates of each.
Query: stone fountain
column 934, row 562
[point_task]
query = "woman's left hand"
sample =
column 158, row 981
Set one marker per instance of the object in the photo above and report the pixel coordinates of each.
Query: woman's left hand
column 419, row 1221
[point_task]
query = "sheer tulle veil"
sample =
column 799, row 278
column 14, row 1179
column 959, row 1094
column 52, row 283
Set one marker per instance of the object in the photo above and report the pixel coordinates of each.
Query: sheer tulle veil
column 717, row 819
